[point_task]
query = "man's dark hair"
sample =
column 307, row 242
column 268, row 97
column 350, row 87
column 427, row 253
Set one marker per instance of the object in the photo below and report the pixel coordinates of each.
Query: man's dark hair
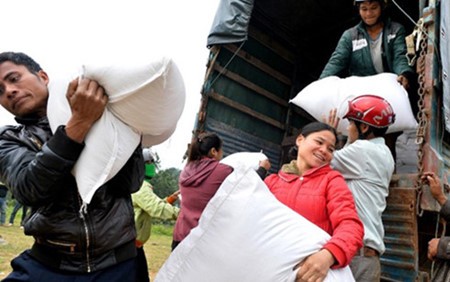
column 19, row 58
column 377, row 132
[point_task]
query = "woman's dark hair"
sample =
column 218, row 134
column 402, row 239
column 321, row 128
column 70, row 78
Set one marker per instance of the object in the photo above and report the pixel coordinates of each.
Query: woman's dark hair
column 201, row 145
column 317, row 126
column 20, row 59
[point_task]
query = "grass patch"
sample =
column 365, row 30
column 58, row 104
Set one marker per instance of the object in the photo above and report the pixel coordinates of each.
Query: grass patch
column 157, row 248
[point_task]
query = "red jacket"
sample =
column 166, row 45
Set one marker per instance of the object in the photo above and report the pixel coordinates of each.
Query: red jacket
column 322, row 196
column 198, row 183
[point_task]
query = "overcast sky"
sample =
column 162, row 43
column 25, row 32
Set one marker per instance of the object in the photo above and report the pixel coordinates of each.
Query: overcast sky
column 66, row 33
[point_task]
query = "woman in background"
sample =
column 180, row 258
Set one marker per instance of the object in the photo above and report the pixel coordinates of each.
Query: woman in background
column 199, row 181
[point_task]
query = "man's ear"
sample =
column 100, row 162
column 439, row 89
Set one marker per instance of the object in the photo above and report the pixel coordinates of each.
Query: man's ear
column 44, row 76
column 363, row 127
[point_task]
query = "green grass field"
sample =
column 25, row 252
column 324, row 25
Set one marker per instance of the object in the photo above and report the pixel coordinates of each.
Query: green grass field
column 157, row 249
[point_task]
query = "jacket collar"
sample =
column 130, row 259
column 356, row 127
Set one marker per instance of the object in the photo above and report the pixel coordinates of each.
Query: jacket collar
column 289, row 172
column 29, row 120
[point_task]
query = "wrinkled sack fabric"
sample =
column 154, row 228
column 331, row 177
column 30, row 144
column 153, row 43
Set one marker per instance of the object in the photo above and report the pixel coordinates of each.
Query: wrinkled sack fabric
column 145, row 100
column 320, row 96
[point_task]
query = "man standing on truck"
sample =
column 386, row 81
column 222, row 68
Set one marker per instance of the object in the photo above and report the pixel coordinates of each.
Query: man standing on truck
column 367, row 166
column 373, row 46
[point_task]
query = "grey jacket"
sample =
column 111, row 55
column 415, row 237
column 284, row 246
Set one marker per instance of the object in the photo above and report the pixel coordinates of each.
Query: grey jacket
column 444, row 242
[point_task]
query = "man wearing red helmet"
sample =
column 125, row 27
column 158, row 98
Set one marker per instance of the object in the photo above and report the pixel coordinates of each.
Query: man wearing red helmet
column 367, row 166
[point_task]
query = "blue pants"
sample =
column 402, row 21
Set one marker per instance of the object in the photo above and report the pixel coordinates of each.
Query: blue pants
column 142, row 268
column 2, row 210
column 26, row 268
column 16, row 208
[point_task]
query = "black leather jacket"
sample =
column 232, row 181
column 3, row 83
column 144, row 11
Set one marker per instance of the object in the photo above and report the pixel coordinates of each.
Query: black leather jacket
column 36, row 166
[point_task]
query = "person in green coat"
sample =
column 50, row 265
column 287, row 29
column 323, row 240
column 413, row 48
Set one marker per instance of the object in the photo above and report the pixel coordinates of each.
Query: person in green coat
column 148, row 206
column 373, row 46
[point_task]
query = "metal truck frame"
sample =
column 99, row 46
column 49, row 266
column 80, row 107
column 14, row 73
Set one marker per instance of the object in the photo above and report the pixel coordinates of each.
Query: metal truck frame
column 262, row 53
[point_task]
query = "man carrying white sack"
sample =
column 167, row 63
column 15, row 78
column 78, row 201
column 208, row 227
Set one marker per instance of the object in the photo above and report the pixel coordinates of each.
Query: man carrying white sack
column 367, row 166
column 94, row 244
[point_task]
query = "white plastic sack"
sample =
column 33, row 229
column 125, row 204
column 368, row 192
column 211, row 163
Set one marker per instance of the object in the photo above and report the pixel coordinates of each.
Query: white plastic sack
column 149, row 97
column 244, row 160
column 246, row 234
column 319, row 97
column 145, row 100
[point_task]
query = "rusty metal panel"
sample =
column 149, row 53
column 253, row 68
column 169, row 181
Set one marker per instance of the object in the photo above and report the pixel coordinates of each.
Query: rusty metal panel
column 444, row 33
column 435, row 147
column 400, row 261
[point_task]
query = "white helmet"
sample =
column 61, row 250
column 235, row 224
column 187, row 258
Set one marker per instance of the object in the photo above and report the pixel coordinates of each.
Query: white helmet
column 148, row 154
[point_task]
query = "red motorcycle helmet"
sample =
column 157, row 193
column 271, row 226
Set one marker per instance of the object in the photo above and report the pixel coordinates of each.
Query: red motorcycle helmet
column 372, row 110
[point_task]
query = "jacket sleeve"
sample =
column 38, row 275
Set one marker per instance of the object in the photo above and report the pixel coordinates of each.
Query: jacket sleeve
column 400, row 62
column 153, row 205
column 270, row 180
column 262, row 172
column 444, row 248
column 35, row 177
column 348, row 230
column 445, row 210
column 339, row 61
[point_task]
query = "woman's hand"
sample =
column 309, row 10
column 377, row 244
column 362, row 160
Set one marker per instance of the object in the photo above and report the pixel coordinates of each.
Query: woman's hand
column 265, row 164
column 315, row 267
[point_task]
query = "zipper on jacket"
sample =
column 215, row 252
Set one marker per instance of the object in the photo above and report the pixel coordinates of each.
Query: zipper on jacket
column 83, row 210
column 71, row 246
column 36, row 141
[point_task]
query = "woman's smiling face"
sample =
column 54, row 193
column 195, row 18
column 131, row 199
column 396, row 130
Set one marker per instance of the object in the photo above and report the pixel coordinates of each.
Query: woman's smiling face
column 316, row 149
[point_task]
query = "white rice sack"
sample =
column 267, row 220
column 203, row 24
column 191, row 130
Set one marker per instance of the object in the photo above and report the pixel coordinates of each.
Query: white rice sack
column 109, row 143
column 6, row 118
column 246, row 234
column 319, row 97
column 244, row 160
column 150, row 97
column 145, row 100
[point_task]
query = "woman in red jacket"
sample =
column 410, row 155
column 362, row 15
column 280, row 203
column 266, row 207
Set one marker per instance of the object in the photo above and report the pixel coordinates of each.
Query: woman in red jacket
column 198, row 182
column 310, row 187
